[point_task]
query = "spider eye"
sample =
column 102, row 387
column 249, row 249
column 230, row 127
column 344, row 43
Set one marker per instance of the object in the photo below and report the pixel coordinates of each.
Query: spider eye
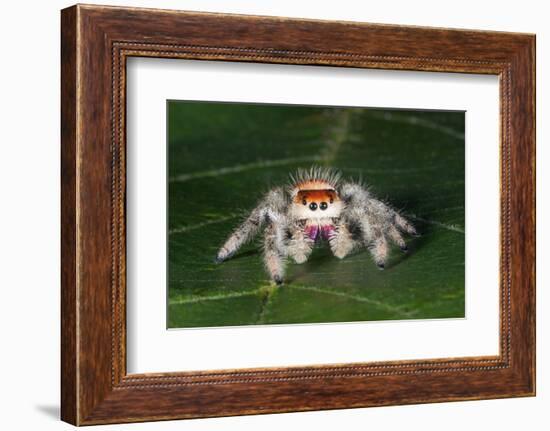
column 304, row 202
column 331, row 200
column 323, row 206
column 313, row 206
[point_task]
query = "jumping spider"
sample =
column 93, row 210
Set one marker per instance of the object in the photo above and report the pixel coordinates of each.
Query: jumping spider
column 318, row 206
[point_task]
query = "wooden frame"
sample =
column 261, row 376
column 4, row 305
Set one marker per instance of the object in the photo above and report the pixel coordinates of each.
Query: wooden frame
column 96, row 41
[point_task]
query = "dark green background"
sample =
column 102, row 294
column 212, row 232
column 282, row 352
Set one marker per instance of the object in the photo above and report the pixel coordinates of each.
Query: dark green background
column 223, row 157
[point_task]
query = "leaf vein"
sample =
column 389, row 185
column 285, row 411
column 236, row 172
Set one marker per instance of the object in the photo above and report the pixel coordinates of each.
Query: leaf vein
column 380, row 304
column 260, row 164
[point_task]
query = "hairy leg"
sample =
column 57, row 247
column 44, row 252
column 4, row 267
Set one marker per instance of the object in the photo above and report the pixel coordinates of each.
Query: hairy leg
column 396, row 237
column 342, row 242
column 404, row 225
column 274, row 252
column 373, row 233
column 376, row 220
column 271, row 207
column 241, row 235
column 379, row 251
column 300, row 245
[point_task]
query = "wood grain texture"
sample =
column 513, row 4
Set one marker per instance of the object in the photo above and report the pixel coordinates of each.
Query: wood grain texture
column 69, row 397
column 96, row 41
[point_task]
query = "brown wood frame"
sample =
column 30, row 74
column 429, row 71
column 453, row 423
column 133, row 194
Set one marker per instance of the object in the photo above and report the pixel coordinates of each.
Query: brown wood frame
column 95, row 43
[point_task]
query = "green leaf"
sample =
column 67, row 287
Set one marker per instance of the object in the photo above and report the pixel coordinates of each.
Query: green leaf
column 223, row 157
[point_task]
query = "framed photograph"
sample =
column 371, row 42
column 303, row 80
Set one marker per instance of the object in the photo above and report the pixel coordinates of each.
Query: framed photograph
column 263, row 214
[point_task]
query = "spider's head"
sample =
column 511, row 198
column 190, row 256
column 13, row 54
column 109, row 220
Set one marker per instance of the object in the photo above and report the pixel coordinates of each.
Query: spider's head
column 316, row 204
column 314, row 195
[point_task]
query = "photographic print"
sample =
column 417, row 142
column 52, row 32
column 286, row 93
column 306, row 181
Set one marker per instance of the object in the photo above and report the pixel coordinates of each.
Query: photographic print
column 290, row 214
column 264, row 221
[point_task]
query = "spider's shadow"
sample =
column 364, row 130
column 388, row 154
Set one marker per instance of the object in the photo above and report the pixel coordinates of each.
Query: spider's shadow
column 318, row 259
column 414, row 244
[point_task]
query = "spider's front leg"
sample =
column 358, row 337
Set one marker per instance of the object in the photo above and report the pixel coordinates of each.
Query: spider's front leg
column 273, row 203
column 342, row 241
column 275, row 250
column 242, row 234
column 300, row 244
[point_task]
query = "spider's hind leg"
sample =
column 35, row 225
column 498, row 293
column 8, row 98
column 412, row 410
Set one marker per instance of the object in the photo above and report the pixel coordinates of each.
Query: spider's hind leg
column 397, row 238
column 404, row 225
column 379, row 251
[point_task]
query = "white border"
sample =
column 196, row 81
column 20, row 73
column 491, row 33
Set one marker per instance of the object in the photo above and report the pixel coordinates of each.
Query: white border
column 152, row 348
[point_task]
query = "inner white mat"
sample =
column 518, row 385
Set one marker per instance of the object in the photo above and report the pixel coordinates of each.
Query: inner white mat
column 153, row 348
